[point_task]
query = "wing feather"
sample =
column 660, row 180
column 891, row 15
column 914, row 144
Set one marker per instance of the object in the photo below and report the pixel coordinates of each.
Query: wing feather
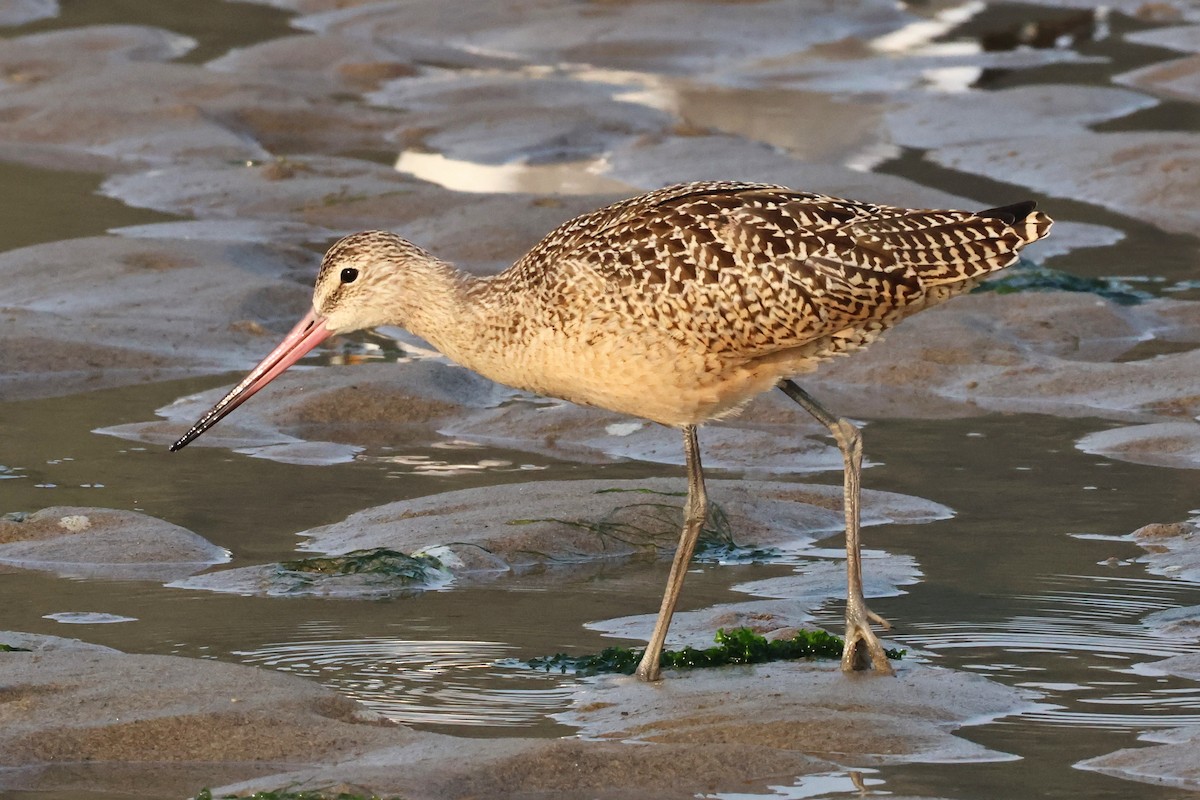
column 745, row 269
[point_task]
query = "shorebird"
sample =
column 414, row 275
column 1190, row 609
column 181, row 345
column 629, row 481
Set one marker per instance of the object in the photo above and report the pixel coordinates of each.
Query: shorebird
column 677, row 306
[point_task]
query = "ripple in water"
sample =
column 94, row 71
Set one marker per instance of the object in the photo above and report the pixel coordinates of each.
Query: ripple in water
column 1084, row 642
column 87, row 618
column 433, row 682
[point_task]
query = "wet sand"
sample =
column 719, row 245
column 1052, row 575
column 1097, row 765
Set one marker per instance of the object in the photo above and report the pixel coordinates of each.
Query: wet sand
column 235, row 720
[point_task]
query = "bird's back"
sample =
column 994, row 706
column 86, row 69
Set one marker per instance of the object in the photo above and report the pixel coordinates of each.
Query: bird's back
column 727, row 279
column 744, row 268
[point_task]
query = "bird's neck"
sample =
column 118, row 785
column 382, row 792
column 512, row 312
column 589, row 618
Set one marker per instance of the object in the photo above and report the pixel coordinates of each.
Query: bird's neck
column 451, row 310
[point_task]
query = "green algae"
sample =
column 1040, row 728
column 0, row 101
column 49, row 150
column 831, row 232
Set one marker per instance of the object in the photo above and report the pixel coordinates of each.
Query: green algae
column 379, row 561
column 1026, row 277
column 283, row 794
column 376, row 570
column 661, row 522
column 737, row 646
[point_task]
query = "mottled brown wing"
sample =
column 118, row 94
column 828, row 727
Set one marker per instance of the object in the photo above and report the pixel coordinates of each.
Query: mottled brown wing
column 621, row 221
column 747, row 269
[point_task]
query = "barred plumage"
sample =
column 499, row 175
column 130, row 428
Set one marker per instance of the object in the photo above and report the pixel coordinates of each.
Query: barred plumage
column 704, row 295
column 677, row 306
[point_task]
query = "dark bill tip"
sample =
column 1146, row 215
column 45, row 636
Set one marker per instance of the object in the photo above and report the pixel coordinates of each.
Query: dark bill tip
column 307, row 334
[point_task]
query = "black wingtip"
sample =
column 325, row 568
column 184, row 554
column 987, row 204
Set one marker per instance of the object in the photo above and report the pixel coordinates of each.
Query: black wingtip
column 1009, row 214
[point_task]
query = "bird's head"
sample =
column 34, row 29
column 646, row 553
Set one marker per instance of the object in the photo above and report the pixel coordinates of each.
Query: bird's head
column 363, row 282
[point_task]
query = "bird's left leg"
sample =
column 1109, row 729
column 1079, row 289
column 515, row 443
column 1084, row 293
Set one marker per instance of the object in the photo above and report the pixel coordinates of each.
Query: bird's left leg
column 695, row 513
column 862, row 648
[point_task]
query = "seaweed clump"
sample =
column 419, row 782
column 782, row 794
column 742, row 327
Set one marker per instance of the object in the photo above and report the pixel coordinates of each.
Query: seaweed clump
column 416, row 568
column 283, row 794
column 660, row 522
column 737, row 646
column 1029, row 278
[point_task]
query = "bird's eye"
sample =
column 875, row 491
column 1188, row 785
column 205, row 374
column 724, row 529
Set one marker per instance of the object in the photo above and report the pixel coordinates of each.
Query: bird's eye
column 349, row 275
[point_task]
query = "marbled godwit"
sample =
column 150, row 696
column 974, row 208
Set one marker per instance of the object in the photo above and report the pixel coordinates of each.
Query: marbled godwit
column 677, row 306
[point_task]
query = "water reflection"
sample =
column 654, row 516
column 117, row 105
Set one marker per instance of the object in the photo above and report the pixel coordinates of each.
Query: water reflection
column 363, row 348
column 87, row 618
column 430, row 682
column 1090, row 628
column 416, row 464
column 823, row 784
column 402, row 465
column 584, row 177
column 920, row 37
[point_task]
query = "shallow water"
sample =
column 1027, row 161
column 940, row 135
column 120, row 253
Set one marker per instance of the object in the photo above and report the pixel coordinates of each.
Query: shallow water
column 216, row 27
column 1015, row 586
column 1029, row 584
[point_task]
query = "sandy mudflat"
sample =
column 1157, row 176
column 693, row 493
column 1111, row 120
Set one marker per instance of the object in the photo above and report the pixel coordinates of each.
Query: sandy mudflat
column 555, row 527
column 200, row 722
column 474, row 129
column 104, row 543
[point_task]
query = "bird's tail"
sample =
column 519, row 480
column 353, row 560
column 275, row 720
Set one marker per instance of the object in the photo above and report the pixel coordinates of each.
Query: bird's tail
column 1024, row 218
column 954, row 248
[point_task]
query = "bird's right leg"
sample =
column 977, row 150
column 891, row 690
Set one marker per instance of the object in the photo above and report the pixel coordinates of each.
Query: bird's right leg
column 862, row 648
column 694, row 515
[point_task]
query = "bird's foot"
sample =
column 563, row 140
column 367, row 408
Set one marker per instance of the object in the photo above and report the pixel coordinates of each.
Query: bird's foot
column 863, row 649
column 648, row 669
column 648, row 675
